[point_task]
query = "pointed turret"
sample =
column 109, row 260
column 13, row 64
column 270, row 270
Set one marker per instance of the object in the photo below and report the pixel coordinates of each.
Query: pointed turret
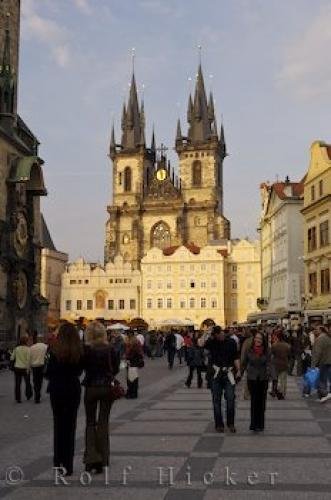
column 198, row 114
column 133, row 121
column 7, row 80
column 211, row 109
column 112, row 145
column 189, row 109
column 222, row 141
column 153, row 147
column 179, row 137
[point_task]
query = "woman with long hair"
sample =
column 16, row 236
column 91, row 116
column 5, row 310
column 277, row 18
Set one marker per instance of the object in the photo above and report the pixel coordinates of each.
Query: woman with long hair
column 63, row 369
column 256, row 362
column 101, row 366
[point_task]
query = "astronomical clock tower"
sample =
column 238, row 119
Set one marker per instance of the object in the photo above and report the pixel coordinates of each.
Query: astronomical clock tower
column 154, row 206
column 22, row 309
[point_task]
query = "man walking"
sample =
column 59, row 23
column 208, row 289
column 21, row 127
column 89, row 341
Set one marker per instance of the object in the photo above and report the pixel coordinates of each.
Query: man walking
column 224, row 359
column 281, row 352
column 322, row 359
column 37, row 360
column 170, row 346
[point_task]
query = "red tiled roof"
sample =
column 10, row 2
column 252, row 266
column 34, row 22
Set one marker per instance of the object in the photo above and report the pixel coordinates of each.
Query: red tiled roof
column 190, row 246
column 297, row 189
column 223, row 252
column 328, row 150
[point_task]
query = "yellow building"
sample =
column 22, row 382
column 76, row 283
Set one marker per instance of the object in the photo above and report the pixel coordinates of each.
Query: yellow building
column 92, row 291
column 316, row 213
column 243, row 280
column 185, row 283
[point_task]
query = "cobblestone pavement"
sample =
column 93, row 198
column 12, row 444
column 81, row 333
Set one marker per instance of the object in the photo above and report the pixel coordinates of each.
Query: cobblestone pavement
column 165, row 442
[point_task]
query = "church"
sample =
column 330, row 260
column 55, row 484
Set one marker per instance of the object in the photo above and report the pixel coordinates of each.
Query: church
column 151, row 205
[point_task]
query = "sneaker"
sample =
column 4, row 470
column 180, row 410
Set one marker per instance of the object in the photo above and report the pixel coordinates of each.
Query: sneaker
column 325, row 398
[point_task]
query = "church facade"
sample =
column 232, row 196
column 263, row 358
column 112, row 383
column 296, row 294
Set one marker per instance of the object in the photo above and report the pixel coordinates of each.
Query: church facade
column 151, row 205
column 22, row 308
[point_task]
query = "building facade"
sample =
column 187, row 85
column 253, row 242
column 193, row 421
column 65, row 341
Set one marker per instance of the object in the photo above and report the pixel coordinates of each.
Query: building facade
column 317, row 218
column 151, row 206
column 281, row 233
column 184, row 283
column 243, row 280
column 53, row 265
column 22, row 307
column 93, row 291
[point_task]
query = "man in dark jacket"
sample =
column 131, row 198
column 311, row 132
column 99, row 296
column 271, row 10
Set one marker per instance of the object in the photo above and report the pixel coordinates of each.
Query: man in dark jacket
column 170, row 346
column 224, row 359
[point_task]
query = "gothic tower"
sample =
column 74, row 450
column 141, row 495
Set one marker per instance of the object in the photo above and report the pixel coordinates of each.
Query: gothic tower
column 201, row 154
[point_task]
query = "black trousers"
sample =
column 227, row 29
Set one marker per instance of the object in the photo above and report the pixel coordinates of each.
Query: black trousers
column 191, row 373
column 22, row 373
column 97, row 407
column 37, row 376
column 171, row 357
column 65, row 404
column 258, row 390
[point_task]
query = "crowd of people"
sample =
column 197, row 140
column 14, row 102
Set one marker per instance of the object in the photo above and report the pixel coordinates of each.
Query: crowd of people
column 262, row 356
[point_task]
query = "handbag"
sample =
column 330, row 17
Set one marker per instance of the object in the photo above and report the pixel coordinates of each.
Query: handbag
column 116, row 390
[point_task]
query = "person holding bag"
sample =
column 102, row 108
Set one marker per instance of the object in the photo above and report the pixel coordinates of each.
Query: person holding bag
column 135, row 360
column 101, row 364
column 257, row 364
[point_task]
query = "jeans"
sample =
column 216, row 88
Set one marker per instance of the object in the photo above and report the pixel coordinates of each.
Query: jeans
column 37, row 376
column 325, row 380
column 258, row 390
column 180, row 354
column 97, row 408
column 22, row 373
column 171, row 357
column 191, row 373
column 220, row 385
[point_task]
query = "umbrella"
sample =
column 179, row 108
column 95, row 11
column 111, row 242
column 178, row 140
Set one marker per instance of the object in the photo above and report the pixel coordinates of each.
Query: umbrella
column 118, row 326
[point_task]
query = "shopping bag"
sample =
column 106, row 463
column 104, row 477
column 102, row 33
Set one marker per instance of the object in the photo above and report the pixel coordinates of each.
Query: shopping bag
column 311, row 378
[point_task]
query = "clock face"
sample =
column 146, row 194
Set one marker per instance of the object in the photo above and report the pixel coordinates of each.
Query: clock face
column 21, row 284
column 161, row 174
column 21, row 234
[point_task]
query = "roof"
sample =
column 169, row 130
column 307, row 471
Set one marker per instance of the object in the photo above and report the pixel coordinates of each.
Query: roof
column 190, row 246
column 279, row 189
column 223, row 252
column 46, row 239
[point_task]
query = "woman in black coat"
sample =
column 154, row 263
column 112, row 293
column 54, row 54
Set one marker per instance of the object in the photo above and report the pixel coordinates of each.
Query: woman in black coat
column 63, row 369
column 257, row 364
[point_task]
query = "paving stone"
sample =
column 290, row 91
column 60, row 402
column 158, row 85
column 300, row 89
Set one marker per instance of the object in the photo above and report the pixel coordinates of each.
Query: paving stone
column 150, row 444
column 234, row 494
column 160, row 428
column 209, row 444
column 264, row 444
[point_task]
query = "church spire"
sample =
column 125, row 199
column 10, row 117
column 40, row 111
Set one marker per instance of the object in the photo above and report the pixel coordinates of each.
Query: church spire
column 112, row 146
column 7, row 81
column 133, row 120
column 179, row 137
column 222, row 141
column 198, row 113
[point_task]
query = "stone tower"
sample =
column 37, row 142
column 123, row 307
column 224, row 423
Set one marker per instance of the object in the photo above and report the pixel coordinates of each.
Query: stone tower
column 201, row 154
column 10, row 24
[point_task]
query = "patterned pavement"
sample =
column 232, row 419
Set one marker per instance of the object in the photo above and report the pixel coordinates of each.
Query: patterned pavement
column 163, row 447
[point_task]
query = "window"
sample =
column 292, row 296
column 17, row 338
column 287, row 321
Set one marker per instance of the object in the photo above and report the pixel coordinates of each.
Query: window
column 196, row 173
column 234, row 285
column 159, row 303
column 79, row 282
column 121, row 304
column 324, row 233
column 68, row 305
column 169, row 285
column 234, row 268
column 127, row 179
column 149, row 284
column 149, row 303
column 110, row 304
column 320, row 186
column 100, row 301
column 111, row 280
column 79, row 305
column 89, row 305
column 325, row 281
column 73, row 282
column 213, row 303
column 214, row 284
column 311, row 239
column 313, row 283
column 203, row 302
column 169, row 303
column 192, row 303
column 132, row 303
column 160, row 236
column 203, row 284
column 182, row 303
column 160, row 285
column 312, row 193
column 86, row 282
column 192, row 284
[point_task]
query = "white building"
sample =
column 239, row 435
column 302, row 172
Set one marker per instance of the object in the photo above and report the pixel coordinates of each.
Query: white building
column 281, row 228
column 92, row 291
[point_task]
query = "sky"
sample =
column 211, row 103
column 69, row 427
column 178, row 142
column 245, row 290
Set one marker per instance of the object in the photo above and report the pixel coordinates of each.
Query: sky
column 267, row 62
